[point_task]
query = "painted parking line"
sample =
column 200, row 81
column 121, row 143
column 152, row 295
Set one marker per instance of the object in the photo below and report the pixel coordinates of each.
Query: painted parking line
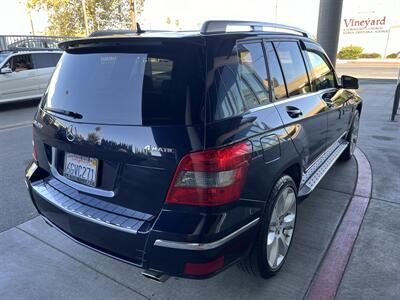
column 333, row 266
column 15, row 126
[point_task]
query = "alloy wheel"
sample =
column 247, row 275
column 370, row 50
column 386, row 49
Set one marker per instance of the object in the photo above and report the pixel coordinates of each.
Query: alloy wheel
column 281, row 227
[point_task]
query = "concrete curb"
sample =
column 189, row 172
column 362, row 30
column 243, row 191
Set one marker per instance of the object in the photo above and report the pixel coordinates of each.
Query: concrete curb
column 366, row 61
column 327, row 281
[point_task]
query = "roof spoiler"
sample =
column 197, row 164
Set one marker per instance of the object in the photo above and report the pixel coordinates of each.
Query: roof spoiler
column 96, row 36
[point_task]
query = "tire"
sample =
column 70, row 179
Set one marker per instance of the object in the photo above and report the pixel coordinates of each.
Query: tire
column 351, row 138
column 260, row 261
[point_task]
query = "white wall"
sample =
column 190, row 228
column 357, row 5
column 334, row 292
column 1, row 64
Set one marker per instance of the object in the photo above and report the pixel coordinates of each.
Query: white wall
column 373, row 38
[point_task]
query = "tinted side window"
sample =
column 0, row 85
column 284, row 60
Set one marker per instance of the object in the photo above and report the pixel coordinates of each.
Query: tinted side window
column 240, row 81
column 275, row 72
column 253, row 74
column 45, row 60
column 226, row 92
column 322, row 76
column 293, row 67
column 20, row 63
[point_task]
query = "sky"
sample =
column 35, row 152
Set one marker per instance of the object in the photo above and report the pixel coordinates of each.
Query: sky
column 189, row 14
column 14, row 18
column 192, row 13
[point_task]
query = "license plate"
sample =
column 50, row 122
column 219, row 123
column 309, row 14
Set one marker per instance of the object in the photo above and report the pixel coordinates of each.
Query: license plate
column 81, row 169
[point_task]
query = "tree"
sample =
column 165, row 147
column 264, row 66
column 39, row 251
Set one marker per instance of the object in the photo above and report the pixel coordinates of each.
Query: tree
column 66, row 16
column 350, row 52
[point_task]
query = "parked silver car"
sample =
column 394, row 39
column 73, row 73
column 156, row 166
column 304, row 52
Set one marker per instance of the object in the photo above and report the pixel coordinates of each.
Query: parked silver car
column 25, row 74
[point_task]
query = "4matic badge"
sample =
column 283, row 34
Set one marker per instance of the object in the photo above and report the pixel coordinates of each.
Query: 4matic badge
column 155, row 149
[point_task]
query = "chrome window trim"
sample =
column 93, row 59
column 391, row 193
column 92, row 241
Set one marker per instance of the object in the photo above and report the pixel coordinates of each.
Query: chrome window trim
column 76, row 185
column 204, row 246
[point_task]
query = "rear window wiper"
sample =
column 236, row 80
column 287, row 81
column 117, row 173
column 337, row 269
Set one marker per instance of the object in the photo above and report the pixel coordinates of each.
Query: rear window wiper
column 64, row 112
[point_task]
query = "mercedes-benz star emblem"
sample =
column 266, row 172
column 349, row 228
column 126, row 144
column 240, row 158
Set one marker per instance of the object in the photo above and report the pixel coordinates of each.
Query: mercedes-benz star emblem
column 69, row 133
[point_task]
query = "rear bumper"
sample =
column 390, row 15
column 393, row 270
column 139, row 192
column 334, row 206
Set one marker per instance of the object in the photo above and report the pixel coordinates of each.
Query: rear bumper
column 142, row 243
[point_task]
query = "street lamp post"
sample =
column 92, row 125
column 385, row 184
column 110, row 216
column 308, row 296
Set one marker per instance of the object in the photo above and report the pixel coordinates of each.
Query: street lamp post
column 133, row 16
column 388, row 38
column 30, row 21
column 85, row 16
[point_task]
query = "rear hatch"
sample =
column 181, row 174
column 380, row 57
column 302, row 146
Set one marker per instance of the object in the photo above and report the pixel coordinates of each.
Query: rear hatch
column 120, row 115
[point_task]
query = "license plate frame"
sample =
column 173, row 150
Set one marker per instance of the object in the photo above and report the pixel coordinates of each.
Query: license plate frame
column 81, row 169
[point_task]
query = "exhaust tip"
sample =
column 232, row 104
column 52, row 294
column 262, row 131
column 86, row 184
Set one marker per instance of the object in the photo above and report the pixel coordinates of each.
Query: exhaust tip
column 159, row 277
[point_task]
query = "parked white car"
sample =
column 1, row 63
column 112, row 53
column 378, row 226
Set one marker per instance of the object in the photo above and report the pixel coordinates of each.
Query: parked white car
column 25, row 74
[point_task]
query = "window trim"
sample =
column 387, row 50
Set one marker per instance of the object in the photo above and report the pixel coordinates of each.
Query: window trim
column 297, row 41
column 269, row 72
column 305, row 66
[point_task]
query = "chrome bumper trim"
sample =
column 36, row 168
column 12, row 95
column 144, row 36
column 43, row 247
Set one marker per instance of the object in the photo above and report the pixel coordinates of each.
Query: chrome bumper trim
column 205, row 246
column 69, row 205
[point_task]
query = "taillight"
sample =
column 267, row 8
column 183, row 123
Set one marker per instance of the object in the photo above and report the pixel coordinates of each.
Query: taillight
column 204, row 268
column 212, row 177
column 34, row 152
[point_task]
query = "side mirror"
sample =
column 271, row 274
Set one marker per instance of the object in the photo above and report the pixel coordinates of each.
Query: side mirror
column 349, row 82
column 5, row 70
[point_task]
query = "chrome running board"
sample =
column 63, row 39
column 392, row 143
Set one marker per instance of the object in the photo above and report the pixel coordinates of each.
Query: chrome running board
column 320, row 167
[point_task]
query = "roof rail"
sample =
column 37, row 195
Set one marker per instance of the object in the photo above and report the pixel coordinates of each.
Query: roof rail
column 217, row 26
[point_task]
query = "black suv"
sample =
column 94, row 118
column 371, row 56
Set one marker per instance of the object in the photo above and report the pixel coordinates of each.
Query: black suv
column 184, row 153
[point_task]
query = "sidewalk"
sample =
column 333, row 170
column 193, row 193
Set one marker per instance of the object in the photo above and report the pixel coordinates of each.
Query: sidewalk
column 37, row 262
column 373, row 269
column 366, row 61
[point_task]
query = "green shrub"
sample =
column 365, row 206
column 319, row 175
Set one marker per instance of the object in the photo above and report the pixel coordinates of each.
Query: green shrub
column 393, row 55
column 350, row 52
column 370, row 55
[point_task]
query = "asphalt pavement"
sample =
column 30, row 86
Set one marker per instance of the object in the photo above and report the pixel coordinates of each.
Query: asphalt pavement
column 15, row 154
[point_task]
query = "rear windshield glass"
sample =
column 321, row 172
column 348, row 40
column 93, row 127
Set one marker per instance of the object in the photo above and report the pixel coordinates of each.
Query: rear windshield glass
column 157, row 85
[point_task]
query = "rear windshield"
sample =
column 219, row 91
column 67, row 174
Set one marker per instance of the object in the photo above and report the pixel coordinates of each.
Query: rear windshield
column 153, row 85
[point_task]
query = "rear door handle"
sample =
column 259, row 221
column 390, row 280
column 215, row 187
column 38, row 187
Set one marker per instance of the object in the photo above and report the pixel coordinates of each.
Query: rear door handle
column 293, row 112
